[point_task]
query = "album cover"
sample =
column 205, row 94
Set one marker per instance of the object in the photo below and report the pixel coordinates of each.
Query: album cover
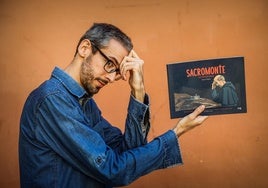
column 219, row 84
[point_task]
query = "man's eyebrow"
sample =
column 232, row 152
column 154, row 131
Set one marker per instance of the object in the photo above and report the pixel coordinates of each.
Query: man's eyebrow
column 114, row 59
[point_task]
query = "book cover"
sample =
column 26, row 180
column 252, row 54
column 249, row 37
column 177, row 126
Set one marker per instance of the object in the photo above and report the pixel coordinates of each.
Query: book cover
column 219, row 84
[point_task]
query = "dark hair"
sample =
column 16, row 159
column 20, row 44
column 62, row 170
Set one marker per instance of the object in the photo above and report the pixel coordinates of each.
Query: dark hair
column 101, row 33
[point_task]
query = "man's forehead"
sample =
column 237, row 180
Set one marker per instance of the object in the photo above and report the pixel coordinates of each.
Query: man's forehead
column 116, row 51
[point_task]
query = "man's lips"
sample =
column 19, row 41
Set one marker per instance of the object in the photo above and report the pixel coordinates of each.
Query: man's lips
column 102, row 83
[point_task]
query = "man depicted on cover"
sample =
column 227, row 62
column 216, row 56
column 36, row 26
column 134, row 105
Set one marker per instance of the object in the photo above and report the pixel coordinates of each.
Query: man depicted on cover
column 224, row 92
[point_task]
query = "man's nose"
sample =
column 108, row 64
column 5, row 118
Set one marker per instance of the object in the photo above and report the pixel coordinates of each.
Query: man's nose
column 111, row 76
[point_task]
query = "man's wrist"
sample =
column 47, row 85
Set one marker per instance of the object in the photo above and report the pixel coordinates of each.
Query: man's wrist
column 179, row 131
column 138, row 95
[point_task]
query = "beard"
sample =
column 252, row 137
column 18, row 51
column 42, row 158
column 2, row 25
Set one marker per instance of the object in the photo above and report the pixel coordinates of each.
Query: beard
column 87, row 77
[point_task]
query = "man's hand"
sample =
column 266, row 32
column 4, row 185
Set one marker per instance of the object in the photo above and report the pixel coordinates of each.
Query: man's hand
column 134, row 65
column 213, row 85
column 190, row 121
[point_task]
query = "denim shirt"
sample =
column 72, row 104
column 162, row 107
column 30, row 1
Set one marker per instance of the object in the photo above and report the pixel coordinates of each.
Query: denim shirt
column 65, row 142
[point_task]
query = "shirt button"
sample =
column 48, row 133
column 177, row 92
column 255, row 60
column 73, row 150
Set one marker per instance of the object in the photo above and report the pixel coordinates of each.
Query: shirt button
column 98, row 160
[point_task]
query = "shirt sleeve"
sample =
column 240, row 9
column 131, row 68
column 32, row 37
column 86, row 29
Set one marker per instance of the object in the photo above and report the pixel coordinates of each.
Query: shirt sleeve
column 137, row 123
column 65, row 132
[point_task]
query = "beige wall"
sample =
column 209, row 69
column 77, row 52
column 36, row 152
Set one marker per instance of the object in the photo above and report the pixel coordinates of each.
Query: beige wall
column 227, row 151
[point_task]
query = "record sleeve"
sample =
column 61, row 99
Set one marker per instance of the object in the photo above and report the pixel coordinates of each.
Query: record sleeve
column 219, row 84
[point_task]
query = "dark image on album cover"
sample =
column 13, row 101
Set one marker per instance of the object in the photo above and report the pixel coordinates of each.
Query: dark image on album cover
column 219, row 84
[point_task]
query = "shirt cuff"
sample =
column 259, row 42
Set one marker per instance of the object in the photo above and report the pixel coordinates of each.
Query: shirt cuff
column 173, row 156
column 141, row 113
column 138, row 109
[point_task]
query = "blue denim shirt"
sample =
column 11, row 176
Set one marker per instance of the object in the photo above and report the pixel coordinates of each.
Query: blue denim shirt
column 65, row 142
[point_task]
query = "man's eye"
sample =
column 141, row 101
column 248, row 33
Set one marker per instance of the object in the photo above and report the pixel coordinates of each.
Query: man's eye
column 110, row 64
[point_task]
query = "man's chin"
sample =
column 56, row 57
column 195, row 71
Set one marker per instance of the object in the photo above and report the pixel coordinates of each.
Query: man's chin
column 92, row 92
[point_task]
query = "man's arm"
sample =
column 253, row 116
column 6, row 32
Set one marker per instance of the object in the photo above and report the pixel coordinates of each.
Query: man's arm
column 85, row 150
column 134, row 65
column 137, row 122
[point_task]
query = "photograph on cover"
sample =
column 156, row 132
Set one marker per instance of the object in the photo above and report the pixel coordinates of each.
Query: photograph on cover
column 219, row 84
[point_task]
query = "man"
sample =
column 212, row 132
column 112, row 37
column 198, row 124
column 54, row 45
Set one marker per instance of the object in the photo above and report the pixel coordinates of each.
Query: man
column 224, row 92
column 64, row 140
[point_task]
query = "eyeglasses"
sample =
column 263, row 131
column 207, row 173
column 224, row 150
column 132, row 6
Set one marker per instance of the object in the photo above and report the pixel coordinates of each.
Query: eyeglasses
column 109, row 66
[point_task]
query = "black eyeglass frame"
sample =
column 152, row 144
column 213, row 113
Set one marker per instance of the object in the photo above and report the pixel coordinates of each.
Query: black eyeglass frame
column 108, row 61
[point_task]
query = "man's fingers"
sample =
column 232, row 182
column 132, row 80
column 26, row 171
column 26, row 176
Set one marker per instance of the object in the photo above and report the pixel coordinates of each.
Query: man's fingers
column 134, row 54
column 201, row 119
column 197, row 111
column 192, row 120
column 195, row 115
column 130, row 53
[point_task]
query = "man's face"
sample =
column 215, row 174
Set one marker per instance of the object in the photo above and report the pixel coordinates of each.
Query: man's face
column 93, row 75
column 218, row 83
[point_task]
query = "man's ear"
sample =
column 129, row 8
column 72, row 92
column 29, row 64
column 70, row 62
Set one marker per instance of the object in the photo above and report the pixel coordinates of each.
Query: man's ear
column 84, row 48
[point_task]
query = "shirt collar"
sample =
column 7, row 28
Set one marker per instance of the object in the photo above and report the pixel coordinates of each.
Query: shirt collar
column 69, row 83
